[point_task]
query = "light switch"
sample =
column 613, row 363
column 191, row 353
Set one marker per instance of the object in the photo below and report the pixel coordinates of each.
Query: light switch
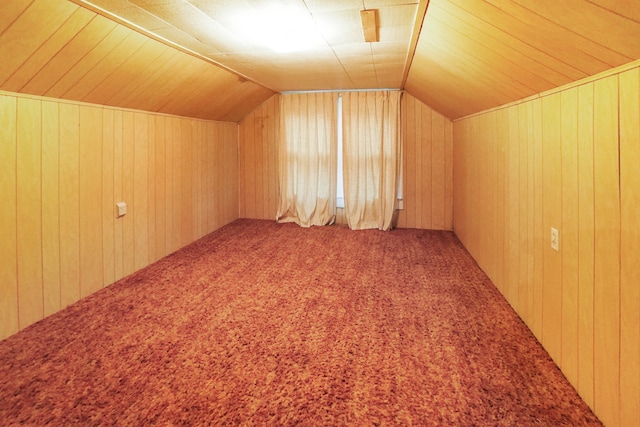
column 121, row 208
column 555, row 239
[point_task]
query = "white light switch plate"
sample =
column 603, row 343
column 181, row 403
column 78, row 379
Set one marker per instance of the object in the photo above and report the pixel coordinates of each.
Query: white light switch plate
column 555, row 239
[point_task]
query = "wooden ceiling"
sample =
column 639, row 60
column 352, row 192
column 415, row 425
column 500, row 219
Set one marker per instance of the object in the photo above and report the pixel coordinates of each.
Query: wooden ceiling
column 185, row 57
column 55, row 48
column 473, row 55
column 339, row 59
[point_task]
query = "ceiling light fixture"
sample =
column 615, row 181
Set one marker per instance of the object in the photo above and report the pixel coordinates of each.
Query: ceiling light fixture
column 369, row 19
column 279, row 28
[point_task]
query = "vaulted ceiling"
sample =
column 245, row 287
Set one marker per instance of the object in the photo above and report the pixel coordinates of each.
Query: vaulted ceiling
column 189, row 57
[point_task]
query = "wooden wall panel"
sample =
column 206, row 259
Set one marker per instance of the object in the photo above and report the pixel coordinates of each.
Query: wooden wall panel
column 69, row 116
column 50, row 207
column 29, row 203
column 569, row 227
column 579, row 159
column 90, row 192
column 630, row 248
column 258, row 175
column 427, row 168
column 607, row 250
column 8, row 217
column 63, row 166
column 586, row 232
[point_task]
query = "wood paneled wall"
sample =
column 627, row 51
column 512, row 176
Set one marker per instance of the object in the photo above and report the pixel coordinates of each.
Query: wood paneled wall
column 567, row 160
column 427, row 165
column 258, row 161
column 427, row 179
column 63, row 166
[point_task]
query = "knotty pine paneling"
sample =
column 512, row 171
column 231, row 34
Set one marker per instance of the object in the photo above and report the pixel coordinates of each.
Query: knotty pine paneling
column 63, row 166
column 567, row 160
column 427, row 165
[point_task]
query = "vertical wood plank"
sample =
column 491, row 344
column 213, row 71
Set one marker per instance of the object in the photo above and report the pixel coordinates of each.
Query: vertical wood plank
column 552, row 217
column 438, row 168
column 585, row 243
column 502, row 141
column 538, row 226
column 29, row 203
column 499, row 151
column 244, row 128
column 108, row 199
column 419, row 167
column 91, row 273
column 410, row 202
column 630, row 247
column 50, row 207
column 151, row 190
column 531, row 215
column 128, row 180
column 523, row 210
column 607, row 251
column 259, row 165
column 216, row 182
column 195, row 179
column 8, row 218
column 140, row 190
column 513, row 205
column 426, row 165
column 176, row 178
column 118, row 194
column 186, row 184
column 569, row 230
column 161, row 186
column 69, row 203
column 448, row 176
column 249, row 168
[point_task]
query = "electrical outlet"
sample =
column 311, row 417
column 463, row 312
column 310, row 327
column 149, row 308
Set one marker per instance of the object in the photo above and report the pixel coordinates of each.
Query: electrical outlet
column 555, row 239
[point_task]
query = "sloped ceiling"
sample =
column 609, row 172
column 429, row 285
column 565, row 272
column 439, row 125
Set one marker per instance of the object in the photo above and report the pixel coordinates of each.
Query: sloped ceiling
column 55, row 48
column 182, row 57
column 473, row 55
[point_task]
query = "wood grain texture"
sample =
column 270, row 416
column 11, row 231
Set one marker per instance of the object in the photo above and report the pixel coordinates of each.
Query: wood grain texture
column 64, row 166
column 90, row 200
column 29, row 211
column 50, row 207
column 57, row 49
column 607, row 251
column 630, row 248
column 586, row 234
column 569, row 100
column 584, row 299
column 526, row 48
column 8, row 217
column 552, row 217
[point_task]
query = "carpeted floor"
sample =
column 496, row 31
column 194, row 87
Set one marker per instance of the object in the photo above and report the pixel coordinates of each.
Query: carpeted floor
column 266, row 324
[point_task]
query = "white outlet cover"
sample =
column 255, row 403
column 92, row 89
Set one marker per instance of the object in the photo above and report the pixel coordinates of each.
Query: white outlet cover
column 121, row 209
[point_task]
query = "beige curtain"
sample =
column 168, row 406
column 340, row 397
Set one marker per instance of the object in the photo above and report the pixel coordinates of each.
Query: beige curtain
column 371, row 157
column 307, row 158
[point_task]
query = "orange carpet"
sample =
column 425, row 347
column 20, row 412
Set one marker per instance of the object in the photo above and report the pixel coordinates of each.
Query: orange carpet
column 267, row 324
